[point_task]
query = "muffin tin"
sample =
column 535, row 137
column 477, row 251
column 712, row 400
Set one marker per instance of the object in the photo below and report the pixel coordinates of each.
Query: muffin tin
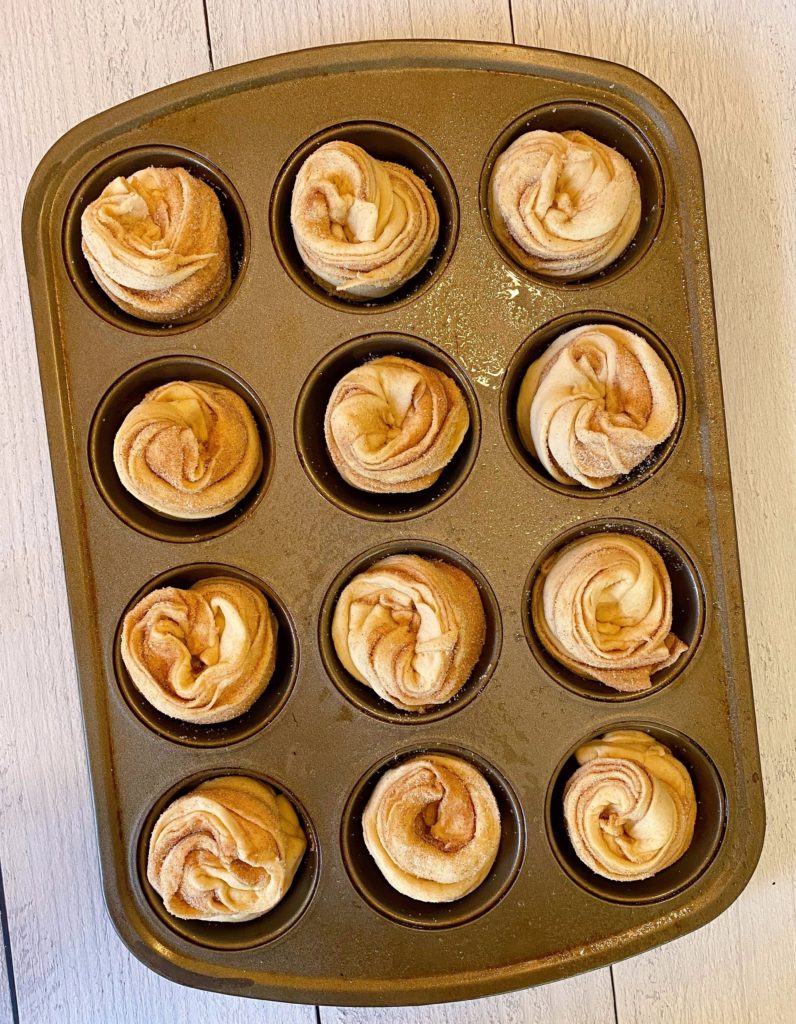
column 446, row 110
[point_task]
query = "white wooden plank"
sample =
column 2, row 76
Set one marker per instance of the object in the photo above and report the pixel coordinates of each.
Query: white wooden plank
column 59, row 63
column 729, row 65
column 583, row 1000
column 243, row 31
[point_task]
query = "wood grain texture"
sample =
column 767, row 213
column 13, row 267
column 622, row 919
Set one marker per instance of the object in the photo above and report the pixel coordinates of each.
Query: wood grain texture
column 729, row 66
column 583, row 1000
column 243, row 31
column 61, row 63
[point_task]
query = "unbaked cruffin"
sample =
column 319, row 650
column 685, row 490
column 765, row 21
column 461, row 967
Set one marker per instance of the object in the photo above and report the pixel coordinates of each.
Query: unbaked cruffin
column 393, row 424
column 563, row 204
column 630, row 808
column 204, row 654
column 157, row 244
column 227, row 851
column 411, row 629
column 595, row 405
column 363, row 227
column 189, row 449
column 432, row 825
column 602, row 607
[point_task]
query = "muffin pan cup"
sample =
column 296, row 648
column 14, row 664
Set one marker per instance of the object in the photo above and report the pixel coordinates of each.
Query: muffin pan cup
column 541, row 918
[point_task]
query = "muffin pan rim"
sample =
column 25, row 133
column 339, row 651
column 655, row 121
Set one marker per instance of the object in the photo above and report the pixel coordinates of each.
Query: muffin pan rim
column 459, row 985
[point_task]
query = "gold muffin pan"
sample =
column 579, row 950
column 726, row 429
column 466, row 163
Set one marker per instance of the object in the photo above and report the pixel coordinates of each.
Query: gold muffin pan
column 446, row 110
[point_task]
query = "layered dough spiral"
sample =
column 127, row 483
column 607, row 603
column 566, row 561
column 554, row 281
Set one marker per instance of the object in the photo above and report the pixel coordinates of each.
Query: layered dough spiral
column 226, row 852
column 595, row 405
column 157, row 244
column 630, row 808
column 202, row 655
column 432, row 825
column 393, row 425
column 563, row 204
column 190, row 449
column 410, row 628
column 362, row 226
column 602, row 607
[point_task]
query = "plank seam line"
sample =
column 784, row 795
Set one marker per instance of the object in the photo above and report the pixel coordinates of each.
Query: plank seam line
column 12, row 986
column 207, row 35
column 511, row 22
column 318, row 1015
column 613, row 994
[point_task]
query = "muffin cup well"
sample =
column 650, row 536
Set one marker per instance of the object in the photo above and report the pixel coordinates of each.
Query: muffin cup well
column 374, row 888
column 311, row 442
column 117, row 402
column 612, row 129
column 267, row 706
column 126, row 163
column 239, row 935
column 384, row 142
column 531, row 349
column 708, row 831
column 688, row 607
column 362, row 696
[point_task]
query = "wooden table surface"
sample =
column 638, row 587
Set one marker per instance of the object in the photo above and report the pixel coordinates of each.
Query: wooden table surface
column 730, row 66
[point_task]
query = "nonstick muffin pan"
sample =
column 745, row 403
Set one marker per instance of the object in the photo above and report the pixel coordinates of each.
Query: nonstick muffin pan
column 446, row 110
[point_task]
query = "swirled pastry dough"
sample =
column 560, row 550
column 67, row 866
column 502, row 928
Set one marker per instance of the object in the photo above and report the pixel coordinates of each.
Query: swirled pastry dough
column 563, row 204
column 157, row 244
column 630, row 808
column 190, row 449
column 201, row 655
column 392, row 425
column 410, row 628
column 433, row 827
column 362, row 226
column 595, row 404
column 227, row 851
column 602, row 607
